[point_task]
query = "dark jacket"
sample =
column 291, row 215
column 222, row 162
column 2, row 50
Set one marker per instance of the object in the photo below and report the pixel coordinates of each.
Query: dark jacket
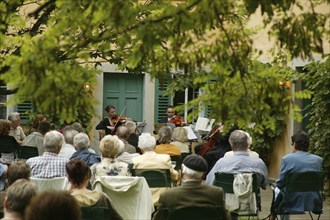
column 89, row 157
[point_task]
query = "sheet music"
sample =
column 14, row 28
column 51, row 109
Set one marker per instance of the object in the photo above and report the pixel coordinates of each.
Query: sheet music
column 191, row 133
column 204, row 124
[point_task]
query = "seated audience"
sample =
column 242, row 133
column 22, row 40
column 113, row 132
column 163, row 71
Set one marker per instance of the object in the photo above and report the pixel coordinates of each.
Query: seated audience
column 67, row 149
column 123, row 134
column 251, row 153
column 36, row 138
column 17, row 170
column 6, row 139
column 79, row 174
column 192, row 193
column 180, row 136
column 240, row 162
column 49, row 165
column 133, row 139
column 19, row 195
column 298, row 161
column 151, row 160
column 109, row 165
column 39, row 118
column 165, row 137
column 15, row 129
column 124, row 156
column 53, row 205
column 78, row 127
column 81, row 143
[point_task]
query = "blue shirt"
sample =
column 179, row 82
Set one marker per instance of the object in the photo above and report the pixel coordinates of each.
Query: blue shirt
column 240, row 162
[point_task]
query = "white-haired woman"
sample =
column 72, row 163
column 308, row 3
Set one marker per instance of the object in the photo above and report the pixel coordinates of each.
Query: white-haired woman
column 109, row 165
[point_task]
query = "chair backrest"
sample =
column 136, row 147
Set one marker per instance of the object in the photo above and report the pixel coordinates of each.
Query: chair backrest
column 195, row 213
column 58, row 183
column 304, row 181
column 178, row 162
column 130, row 196
column 155, row 177
column 225, row 181
column 8, row 144
column 95, row 213
column 27, row 152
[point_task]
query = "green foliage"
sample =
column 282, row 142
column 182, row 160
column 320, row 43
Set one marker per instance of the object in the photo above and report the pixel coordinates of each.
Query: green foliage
column 317, row 79
column 51, row 52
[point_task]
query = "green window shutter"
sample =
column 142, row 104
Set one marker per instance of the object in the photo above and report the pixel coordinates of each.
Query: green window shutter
column 161, row 101
column 22, row 109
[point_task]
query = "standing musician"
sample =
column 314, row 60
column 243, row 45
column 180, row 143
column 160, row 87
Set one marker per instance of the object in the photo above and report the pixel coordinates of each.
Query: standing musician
column 172, row 117
column 109, row 125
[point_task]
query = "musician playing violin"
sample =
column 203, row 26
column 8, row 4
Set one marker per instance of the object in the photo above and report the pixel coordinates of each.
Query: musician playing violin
column 172, row 117
column 109, row 125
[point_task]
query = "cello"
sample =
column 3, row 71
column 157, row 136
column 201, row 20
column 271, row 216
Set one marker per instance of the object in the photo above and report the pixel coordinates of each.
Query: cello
column 212, row 140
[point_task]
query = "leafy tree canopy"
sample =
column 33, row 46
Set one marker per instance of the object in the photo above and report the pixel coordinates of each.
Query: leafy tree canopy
column 50, row 49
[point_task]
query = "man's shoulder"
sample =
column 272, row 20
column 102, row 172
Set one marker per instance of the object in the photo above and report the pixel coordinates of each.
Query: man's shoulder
column 34, row 159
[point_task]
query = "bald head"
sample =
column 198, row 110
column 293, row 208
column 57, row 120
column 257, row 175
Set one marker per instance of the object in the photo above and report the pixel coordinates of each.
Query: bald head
column 122, row 132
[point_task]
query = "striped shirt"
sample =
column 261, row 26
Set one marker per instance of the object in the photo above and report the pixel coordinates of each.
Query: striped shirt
column 47, row 166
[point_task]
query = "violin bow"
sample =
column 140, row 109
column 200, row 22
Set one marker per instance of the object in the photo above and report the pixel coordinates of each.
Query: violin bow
column 122, row 112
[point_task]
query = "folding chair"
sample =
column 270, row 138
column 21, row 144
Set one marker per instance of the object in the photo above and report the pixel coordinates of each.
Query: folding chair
column 57, row 183
column 8, row 144
column 195, row 213
column 155, row 177
column 303, row 182
column 226, row 180
column 178, row 162
column 26, row 152
column 94, row 213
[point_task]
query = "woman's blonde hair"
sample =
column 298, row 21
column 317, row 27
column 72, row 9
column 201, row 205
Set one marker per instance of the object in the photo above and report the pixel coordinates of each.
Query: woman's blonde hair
column 109, row 146
column 180, row 134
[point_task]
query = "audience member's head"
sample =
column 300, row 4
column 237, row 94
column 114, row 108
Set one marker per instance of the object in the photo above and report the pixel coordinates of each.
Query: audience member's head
column 131, row 126
column 180, row 134
column 78, row 127
column 4, row 127
column 122, row 132
column 53, row 205
column 81, row 141
column 239, row 140
column 18, row 170
column 78, row 172
column 300, row 141
column 39, row 118
column 18, row 197
column 53, row 141
column 69, row 135
column 165, row 135
column 147, row 142
column 109, row 146
column 193, row 167
column 44, row 127
column 15, row 119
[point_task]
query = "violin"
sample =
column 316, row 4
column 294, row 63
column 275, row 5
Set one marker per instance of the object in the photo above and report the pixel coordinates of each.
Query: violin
column 177, row 120
column 118, row 118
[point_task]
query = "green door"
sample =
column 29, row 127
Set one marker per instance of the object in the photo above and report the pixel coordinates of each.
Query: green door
column 120, row 90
